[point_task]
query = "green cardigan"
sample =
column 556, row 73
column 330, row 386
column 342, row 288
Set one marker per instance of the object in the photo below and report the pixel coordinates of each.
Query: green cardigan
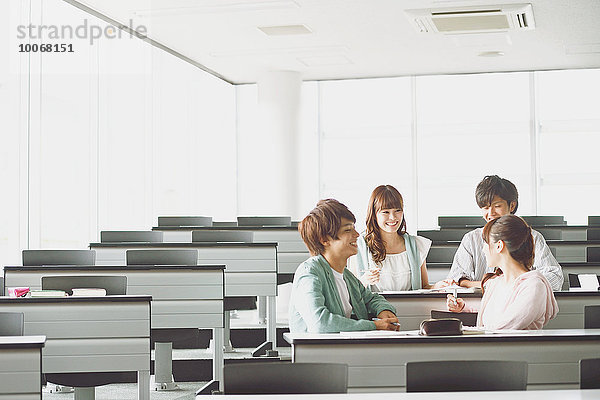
column 315, row 304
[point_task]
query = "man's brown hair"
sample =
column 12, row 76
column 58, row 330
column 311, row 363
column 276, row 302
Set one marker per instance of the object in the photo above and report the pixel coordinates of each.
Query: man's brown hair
column 322, row 223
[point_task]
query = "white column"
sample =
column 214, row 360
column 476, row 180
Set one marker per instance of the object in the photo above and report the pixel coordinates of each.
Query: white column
column 267, row 155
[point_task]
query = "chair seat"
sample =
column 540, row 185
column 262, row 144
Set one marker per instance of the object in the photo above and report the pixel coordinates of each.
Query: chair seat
column 465, row 375
column 88, row 379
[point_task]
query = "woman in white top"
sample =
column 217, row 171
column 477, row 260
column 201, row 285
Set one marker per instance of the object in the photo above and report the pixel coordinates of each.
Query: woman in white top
column 389, row 258
column 515, row 296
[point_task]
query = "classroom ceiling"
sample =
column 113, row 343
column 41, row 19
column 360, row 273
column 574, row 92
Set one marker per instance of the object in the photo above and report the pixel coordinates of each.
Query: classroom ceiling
column 239, row 40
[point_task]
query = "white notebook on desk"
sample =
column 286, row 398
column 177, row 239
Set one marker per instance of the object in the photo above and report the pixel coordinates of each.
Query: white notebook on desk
column 89, row 292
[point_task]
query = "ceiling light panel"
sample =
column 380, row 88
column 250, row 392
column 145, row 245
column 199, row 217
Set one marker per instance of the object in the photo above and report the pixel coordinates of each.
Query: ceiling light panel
column 284, row 30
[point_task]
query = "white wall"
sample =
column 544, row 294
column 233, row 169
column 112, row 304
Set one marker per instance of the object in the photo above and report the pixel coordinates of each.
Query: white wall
column 107, row 137
column 436, row 137
column 118, row 132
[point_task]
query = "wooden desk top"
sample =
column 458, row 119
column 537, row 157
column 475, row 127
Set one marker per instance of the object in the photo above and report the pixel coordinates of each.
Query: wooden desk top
column 22, row 342
column 554, row 335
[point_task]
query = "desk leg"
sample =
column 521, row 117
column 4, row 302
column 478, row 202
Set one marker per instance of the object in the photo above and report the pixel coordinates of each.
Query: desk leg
column 262, row 310
column 143, row 385
column 228, row 347
column 218, row 358
column 272, row 320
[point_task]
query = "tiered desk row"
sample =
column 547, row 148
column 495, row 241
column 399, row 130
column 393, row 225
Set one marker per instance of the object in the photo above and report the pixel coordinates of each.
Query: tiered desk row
column 182, row 296
column 21, row 367
column 576, row 248
column 377, row 363
column 87, row 335
column 412, row 308
column 235, row 260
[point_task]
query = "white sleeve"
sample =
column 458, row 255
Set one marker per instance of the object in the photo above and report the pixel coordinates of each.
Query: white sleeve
column 463, row 264
column 423, row 245
column 545, row 262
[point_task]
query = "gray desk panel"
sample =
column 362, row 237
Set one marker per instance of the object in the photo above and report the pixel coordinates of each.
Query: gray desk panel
column 88, row 329
column 289, row 262
column 170, row 288
column 21, row 383
column 102, row 334
column 439, row 271
column 414, row 308
column 204, row 321
column 20, row 372
column 250, row 284
column 176, row 293
column 378, row 364
column 238, row 258
column 563, row 250
column 96, row 354
column 82, row 313
column 573, row 394
column 288, row 240
column 253, row 263
column 187, row 306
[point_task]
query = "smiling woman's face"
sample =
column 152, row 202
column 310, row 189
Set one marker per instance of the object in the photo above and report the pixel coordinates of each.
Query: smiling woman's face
column 389, row 219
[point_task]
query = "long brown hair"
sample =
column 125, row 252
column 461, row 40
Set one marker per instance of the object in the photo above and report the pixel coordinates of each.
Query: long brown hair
column 516, row 235
column 383, row 197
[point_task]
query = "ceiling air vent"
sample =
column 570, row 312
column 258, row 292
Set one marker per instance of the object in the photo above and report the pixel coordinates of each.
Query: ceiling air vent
column 474, row 19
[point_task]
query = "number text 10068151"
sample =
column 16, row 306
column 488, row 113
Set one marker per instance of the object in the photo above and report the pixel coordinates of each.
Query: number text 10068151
column 45, row 48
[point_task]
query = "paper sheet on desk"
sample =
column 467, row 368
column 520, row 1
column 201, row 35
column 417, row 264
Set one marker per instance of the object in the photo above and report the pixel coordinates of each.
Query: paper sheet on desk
column 448, row 289
column 477, row 330
column 362, row 334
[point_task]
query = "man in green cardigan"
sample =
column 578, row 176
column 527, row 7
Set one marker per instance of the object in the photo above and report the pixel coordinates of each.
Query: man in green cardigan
column 325, row 296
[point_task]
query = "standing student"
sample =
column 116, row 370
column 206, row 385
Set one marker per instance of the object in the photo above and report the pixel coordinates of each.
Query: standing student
column 389, row 258
column 498, row 197
column 515, row 296
column 325, row 296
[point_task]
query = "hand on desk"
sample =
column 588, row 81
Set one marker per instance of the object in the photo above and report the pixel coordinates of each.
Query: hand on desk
column 386, row 314
column 387, row 324
column 455, row 304
column 444, row 283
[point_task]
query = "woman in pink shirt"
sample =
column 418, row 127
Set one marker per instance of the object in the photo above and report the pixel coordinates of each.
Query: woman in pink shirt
column 514, row 296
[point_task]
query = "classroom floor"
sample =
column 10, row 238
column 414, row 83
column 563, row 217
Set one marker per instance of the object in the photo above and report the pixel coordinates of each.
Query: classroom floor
column 187, row 390
column 128, row 391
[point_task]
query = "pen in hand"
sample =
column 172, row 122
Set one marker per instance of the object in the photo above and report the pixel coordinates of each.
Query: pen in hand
column 454, row 294
column 379, row 319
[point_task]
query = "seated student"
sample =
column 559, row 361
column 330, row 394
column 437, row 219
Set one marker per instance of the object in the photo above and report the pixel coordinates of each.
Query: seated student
column 389, row 258
column 515, row 296
column 497, row 197
column 325, row 296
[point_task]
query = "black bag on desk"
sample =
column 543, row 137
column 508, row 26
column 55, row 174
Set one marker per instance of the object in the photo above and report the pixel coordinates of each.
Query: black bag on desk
column 441, row 327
